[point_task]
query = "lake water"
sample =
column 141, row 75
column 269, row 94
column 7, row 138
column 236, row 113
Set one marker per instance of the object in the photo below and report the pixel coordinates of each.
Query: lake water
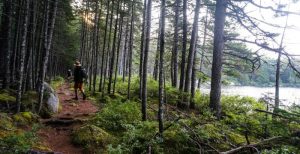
column 287, row 96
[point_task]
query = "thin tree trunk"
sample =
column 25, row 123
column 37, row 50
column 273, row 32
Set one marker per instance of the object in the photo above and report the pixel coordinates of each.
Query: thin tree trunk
column 112, row 60
column 203, row 47
column 130, row 48
column 192, row 51
column 108, row 44
column 193, row 85
column 47, row 45
column 22, row 56
column 142, row 47
column 183, row 56
column 118, row 51
column 278, row 66
column 125, row 55
column 216, row 75
column 103, row 50
column 184, row 42
column 156, row 62
column 145, row 60
column 6, row 36
column 161, row 67
column 174, row 62
column 97, row 29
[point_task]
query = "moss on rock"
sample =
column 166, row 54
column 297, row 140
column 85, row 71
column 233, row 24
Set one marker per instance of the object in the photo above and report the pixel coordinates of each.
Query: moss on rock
column 91, row 136
column 25, row 118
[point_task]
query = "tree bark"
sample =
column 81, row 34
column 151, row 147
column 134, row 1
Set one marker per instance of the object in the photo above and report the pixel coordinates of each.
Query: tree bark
column 145, row 61
column 22, row 55
column 203, row 47
column 97, row 29
column 174, row 62
column 112, row 60
column 218, row 47
column 103, row 49
column 47, row 45
column 118, row 52
column 278, row 66
column 142, row 47
column 5, row 41
column 184, row 42
column 161, row 67
column 192, row 51
column 130, row 49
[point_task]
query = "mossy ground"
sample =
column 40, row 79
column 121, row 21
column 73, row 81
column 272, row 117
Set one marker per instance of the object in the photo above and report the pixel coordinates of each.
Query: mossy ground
column 196, row 130
column 18, row 131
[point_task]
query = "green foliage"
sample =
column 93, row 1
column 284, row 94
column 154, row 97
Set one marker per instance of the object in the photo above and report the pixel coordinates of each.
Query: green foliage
column 57, row 82
column 91, row 137
column 116, row 114
column 25, row 118
column 137, row 138
column 14, row 140
column 5, row 97
column 282, row 150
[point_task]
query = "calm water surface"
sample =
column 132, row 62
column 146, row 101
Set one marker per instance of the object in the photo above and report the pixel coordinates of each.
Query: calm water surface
column 287, row 96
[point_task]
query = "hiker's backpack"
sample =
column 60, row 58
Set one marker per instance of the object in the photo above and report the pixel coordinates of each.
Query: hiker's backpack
column 83, row 73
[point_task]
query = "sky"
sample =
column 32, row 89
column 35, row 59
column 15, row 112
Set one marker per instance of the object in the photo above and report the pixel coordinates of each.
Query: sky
column 291, row 41
column 292, row 35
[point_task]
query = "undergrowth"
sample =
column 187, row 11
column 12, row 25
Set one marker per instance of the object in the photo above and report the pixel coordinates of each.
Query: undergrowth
column 193, row 131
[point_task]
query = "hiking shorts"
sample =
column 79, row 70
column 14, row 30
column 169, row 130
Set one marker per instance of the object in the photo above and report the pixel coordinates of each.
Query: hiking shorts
column 78, row 85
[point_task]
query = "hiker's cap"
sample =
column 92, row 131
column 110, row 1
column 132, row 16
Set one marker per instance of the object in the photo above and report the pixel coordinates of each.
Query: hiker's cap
column 77, row 63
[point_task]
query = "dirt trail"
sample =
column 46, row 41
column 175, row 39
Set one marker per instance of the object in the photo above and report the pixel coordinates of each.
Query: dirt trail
column 57, row 132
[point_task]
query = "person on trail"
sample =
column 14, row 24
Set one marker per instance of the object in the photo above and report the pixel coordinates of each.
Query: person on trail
column 79, row 76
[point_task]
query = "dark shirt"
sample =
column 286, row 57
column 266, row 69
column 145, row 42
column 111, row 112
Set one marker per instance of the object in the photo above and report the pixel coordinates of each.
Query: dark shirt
column 78, row 74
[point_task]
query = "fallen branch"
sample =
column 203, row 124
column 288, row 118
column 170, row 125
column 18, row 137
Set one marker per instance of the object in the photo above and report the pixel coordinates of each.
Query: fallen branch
column 253, row 146
column 278, row 115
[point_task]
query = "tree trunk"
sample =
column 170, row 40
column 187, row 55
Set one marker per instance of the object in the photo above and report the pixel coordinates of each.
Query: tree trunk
column 218, row 46
column 103, row 49
column 97, row 29
column 130, row 49
column 145, row 61
column 118, row 52
column 22, row 56
column 47, row 45
column 5, row 41
column 156, row 61
column 108, row 44
column 174, row 62
column 142, row 47
column 278, row 66
column 192, row 50
column 203, row 47
column 184, row 42
column 193, row 80
column 112, row 60
column 161, row 67
column 125, row 55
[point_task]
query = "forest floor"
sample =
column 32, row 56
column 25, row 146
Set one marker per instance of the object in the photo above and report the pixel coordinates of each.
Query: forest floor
column 57, row 131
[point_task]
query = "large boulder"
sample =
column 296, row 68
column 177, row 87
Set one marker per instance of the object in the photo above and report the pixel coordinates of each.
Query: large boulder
column 52, row 99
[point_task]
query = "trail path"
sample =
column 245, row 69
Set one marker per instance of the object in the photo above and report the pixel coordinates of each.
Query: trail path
column 57, row 131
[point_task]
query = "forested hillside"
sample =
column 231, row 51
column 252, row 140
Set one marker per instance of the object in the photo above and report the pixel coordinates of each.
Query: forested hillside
column 124, row 76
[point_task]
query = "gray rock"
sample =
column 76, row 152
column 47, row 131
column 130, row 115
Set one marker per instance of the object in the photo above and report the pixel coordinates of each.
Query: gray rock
column 52, row 98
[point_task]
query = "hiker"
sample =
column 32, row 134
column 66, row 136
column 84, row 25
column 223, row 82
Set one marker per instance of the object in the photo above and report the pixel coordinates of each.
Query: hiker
column 79, row 76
